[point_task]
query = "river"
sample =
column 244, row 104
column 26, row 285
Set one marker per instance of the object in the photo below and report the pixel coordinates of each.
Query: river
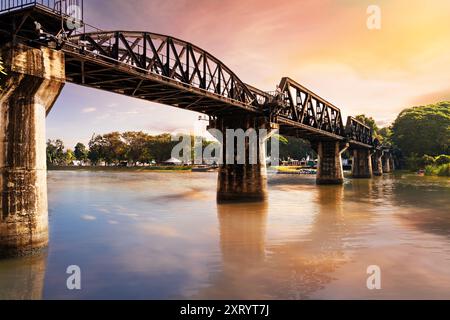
column 151, row 235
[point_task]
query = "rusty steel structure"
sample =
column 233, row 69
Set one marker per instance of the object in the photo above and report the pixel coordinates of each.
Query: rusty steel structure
column 167, row 70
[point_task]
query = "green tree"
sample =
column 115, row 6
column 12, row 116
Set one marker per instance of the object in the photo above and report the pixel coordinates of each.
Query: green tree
column 95, row 154
column 69, row 157
column 294, row 148
column 55, row 152
column 137, row 148
column 114, row 148
column 423, row 130
column 51, row 153
column 161, row 147
column 385, row 135
column 368, row 121
column 81, row 153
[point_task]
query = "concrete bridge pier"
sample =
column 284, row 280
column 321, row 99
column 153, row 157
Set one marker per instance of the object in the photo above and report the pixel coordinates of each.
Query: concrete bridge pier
column 241, row 179
column 35, row 79
column 377, row 163
column 329, row 168
column 387, row 163
column 391, row 163
column 362, row 164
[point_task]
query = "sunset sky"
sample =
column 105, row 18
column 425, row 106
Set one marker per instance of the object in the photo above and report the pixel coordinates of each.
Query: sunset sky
column 323, row 44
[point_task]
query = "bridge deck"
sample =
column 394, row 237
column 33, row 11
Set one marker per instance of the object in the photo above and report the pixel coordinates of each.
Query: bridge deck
column 120, row 78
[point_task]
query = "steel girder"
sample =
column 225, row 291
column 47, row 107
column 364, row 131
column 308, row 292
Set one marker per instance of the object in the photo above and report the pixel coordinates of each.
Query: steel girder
column 298, row 104
column 358, row 133
column 166, row 57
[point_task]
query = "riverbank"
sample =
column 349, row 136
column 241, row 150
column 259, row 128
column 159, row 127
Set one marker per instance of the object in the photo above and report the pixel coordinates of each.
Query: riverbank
column 294, row 170
column 279, row 170
column 106, row 168
column 440, row 171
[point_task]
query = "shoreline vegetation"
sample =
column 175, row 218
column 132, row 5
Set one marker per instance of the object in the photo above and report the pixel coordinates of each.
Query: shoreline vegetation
column 419, row 139
column 440, row 171
column 117, row 168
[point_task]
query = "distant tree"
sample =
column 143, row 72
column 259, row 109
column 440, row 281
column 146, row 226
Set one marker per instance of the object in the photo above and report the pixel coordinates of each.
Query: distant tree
column 294, row 148
column 108, row 147
column 51, row 153
column 385, row 135
column 96, row 146
column 369, row 121
column 137, row 148
column 423, row 130
column 114, row 148
column 69, row 157
column 161, row 147
column 81, row 153
column 55, row 152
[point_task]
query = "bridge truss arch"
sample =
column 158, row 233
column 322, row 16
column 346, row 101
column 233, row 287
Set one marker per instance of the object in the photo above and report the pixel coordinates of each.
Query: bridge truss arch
column 165, row 59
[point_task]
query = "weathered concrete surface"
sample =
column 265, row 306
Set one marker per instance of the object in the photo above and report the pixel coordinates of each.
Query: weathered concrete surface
column 362, row 164
column 242, row 182
column 377, row 163
column 35, row 79
column 329, row 168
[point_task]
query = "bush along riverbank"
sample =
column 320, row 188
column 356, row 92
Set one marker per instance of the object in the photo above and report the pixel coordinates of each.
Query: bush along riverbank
column 441, row 171
column 436, row 166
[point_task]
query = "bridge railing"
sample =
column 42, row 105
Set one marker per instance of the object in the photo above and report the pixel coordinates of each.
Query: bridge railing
column 61, row 7
column 10, row 5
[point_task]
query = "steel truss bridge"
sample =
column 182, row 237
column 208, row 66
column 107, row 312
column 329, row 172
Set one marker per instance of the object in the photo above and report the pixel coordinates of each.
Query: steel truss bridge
column 171, row 71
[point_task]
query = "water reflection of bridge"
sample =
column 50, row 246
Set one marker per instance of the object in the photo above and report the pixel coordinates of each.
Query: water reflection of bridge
column 23, row 279
column 254, row 267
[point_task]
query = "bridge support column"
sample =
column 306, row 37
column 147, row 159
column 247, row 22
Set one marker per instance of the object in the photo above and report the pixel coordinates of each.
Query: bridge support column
column 329, row 168
column 377, row 163
column 35, row 79
column 386, row 163
column 362, row 164
column 238, row 181
column 391, row 163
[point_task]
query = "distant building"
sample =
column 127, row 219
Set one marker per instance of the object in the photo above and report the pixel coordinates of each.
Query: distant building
column 78, row 163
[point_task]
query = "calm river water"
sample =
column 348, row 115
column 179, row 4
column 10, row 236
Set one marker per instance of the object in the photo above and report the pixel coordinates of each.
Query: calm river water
column 149, row 235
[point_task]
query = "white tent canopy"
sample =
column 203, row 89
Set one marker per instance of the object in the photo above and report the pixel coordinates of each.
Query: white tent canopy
column 173, row 161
